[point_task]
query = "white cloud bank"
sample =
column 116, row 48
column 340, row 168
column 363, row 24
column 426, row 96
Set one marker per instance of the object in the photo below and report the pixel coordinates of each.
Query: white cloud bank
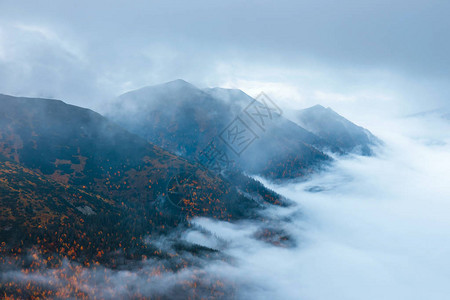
column 380, row 229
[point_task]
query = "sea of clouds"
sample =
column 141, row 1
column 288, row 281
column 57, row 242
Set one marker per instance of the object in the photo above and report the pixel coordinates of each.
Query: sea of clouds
column 368, row 228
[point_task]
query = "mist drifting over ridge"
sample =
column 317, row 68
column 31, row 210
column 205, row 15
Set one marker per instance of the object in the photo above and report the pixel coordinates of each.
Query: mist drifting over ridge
column 346, row 196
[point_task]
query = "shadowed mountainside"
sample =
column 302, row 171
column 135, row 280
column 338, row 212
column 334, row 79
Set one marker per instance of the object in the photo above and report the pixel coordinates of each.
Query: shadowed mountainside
column 185, row 120
column 58, row 153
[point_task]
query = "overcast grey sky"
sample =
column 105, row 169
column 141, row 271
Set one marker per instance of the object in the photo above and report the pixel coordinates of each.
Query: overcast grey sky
column 347, row 54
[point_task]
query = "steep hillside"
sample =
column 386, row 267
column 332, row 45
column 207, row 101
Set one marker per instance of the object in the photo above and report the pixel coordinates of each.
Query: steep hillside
column 78, row 147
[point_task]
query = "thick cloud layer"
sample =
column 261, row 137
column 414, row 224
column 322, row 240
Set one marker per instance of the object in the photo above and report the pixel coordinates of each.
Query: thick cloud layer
column 378, row 228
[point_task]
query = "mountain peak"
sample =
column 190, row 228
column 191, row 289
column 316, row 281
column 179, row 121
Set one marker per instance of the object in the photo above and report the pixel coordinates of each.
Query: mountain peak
column 173, row 88
column 317, row 106
column 322, row 110
column 178, row 83
column 229, row 95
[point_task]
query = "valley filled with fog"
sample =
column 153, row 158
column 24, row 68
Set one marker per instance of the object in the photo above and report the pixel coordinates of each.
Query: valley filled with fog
column 368, row 228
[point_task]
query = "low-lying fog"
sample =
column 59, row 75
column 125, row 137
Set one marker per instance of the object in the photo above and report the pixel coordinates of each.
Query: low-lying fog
column 374, row 227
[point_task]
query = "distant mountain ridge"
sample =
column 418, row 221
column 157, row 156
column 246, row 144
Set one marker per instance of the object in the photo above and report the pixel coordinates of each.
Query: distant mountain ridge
column 184, row 119
column 337, row 130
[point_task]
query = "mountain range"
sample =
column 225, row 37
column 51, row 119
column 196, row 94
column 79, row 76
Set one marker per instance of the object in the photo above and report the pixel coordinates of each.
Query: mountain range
column 252, row 135
column 92, row 188
column 96, row 170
